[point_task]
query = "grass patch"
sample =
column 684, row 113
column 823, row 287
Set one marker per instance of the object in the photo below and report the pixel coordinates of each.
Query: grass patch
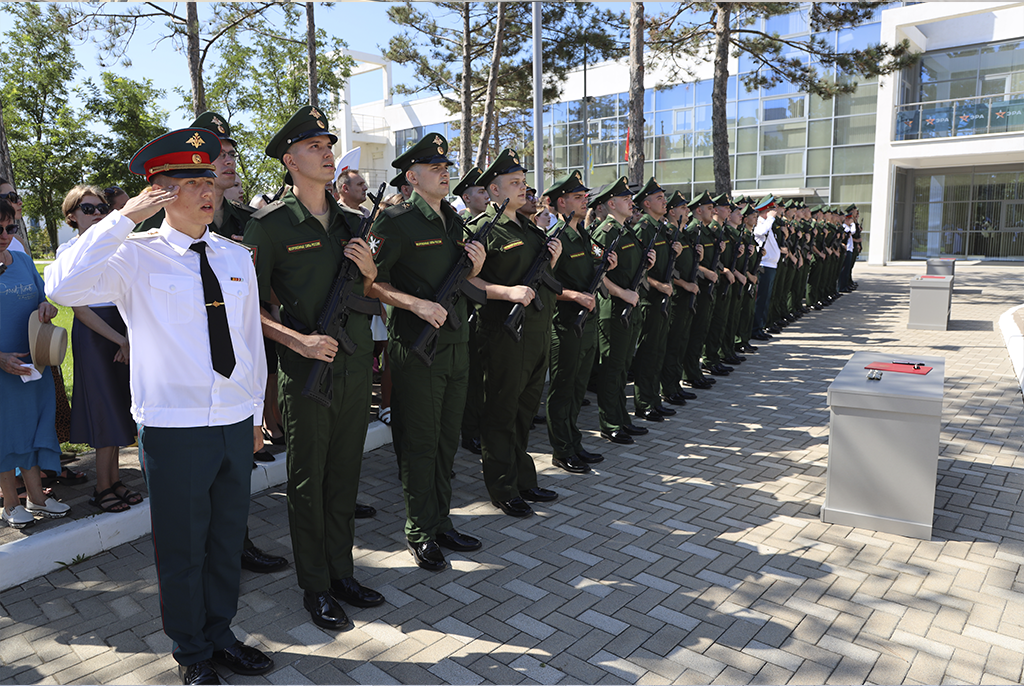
column 65, row 317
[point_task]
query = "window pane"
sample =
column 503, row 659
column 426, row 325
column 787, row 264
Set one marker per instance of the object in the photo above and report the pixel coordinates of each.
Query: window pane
column 674, row 171
column 558, row 111
column 783, row 137
column 818, row 181
column 703, row 92
column 777, row 165
column 560, row 136
column 676, row 145
column 860, row 37
column 851, row 130
column 853, row 160
column 605, row 153
column 601, row 106
column 746, row 166
column 851, row 189
column 702, row 143
column 819, row 133
column 862, row 101
column 820, row 108
column 746, row 140
column 575, row 156
column 674, row 97
column 661, row 123
column 788, row 24
column 703, row 169
column 748, row 111
column 819, row 161
column 702, row 117
column 999, row 59
column 576, row 132
column 559, row 154
column 782, row 88
column 684, row 120
column 784, row 108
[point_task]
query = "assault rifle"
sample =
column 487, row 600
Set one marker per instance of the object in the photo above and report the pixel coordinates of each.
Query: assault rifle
column 670, row 268
column 638, row 277
column 696, row 270
column 597, row 283
column 535, row 277
column 455, row 285
column 342, row 300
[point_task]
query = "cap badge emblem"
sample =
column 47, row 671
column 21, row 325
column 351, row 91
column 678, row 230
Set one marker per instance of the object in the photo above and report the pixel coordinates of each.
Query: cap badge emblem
column 196, row 141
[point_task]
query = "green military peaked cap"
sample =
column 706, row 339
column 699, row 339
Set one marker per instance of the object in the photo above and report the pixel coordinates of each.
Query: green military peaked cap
column 216, row 123
column 573, row 183
column 818, row 209
column 399, row 180
column 506, row 163
column 675, row 200
column 431, row 149
column 702, row 199
column 472, row 178
column 765, row 203
column 182, row 154
column 849, row 209
column 721, row 200
column 648, row 189
column 747, row 209
column 306, row 123
column 615, row 189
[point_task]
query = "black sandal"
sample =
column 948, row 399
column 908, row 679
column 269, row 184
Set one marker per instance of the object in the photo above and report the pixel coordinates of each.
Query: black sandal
column 270, row 439
column 129, row 497
column 64, row 476
column 109, row 501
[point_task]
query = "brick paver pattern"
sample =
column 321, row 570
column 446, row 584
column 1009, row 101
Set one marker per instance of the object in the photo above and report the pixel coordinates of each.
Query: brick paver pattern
column 695, row 556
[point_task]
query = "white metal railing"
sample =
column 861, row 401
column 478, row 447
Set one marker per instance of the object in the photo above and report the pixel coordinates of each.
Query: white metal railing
column 366, row 123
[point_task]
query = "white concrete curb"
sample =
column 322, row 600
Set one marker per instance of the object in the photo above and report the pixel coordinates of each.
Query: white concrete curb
column 1014, row 343
column 35, row 555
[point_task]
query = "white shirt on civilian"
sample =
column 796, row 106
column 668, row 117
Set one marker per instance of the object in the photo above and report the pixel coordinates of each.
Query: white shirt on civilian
column 765, row 237
column 850, row 229
column 153, row 279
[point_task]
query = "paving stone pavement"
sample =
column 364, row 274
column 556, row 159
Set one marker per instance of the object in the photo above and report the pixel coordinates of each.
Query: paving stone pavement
column 695, row 556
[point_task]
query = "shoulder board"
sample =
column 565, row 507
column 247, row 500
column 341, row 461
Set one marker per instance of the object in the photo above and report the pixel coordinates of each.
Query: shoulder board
column 144, row 234
column 267, row 209
column 244, row 209
column 398, row 210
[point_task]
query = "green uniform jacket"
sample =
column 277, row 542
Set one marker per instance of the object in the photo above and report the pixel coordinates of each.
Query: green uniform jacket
column 575, row 270
column 630, row 255
column 415, row 249
column 646, row 229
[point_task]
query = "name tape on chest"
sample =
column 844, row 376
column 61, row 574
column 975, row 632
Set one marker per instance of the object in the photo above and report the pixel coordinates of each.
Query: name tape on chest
column 510, row 246
column 577, row 254
column 428, row 242
column 300, row 247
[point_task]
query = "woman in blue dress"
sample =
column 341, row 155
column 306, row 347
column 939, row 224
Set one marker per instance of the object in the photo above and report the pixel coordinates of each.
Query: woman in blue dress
column 28, row 441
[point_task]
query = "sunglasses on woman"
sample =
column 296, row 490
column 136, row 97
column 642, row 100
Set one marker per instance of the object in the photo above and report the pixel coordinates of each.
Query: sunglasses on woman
column 11, row 229
column 10, row 197
column 89, row 208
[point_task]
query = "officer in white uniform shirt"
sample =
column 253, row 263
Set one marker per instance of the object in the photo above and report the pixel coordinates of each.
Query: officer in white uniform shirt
column 198, row 375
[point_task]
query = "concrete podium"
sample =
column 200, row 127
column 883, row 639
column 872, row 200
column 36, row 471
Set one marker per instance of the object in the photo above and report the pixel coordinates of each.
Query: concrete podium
column 931, row 300
column 883, row 446
column 941, row 266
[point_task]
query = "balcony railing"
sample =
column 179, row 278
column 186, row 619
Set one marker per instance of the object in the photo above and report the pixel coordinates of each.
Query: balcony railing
column 365, row 123
column 977, row 116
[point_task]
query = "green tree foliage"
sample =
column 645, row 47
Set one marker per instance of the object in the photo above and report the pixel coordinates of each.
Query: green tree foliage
column 810, row 62
column 127, row 109
column 432, row 43
column 259, row 85
column 47, row 138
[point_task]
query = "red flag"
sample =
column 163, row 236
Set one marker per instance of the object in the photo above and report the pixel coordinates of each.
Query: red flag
column 627, row 149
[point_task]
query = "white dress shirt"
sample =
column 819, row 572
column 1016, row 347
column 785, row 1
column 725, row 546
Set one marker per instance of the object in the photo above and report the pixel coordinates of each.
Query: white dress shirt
column 850, row 229
column 765, row 237
column 153, row 279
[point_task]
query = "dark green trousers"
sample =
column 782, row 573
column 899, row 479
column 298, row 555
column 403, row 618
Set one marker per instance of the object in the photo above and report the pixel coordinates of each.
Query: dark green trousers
column 572, row 358
column 698, row 334
column 325, row 456
column 675, row 346
column 475, row 389
column 513, row 383
column 732, row 325
column 617, row 344
column 746, row 321
column 716, row 326
column 198, row 480
column 426, row 415
column 650, row 355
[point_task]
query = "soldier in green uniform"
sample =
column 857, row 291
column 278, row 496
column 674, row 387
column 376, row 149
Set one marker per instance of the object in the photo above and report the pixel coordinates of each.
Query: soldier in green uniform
column 751, row 267
column 475, row 197
column 700, row 232
column 654, row 322
column 720, row 312
column 682, row 313
column 617, row 338
column 572, row 355
column 415, row 246
column 401, row 185
column 513, row 370
column 727, row 344
column 300, row 242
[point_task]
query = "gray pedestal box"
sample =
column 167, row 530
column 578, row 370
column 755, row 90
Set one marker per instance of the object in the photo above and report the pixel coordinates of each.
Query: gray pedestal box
column 883, row 447
column 941, row 266
column 931, row 298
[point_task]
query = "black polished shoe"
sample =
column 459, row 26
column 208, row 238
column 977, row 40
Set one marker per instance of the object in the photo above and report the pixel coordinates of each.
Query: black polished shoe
column 664, row 411
column 201, row 672
column 773, row 329
column 571, row 464
column 453, row 540
column 538, row 495
column 325, row 610
column 725, row 367
column 428, row 555
column 686, row 395
column 589, row 457
column 676, row 399
column 618, row 436
column 747, row 348
column 734, row 359
column 700, row 383
column 517, row 507
column 634, row 430
column 243, row 659
column 650, row 414
column 262, row 456
column 365, row 511
column 586, row 402
column 255, row 560
column 539, row 419
column 350, row 591
column 718, row 370
column 760, row 336
column 472, row 445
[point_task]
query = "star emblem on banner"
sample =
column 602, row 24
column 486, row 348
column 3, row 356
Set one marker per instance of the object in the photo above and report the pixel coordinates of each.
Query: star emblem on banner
column 1001, row 115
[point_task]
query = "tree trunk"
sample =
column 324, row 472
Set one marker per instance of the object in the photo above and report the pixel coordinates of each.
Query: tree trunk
column 7, row 172
column 195, row 67
column 492, row 89
column 719, row 130
column 466, row 126
column 311, row 48
column 635, row 136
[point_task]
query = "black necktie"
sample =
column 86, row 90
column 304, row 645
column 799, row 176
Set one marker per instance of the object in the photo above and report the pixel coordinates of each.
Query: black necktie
column 221, row 350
